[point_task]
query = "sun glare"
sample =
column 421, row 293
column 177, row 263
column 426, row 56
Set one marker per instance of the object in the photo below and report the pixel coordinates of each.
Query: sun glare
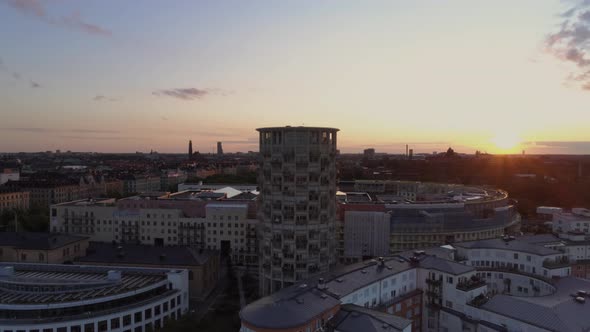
column 506, row 142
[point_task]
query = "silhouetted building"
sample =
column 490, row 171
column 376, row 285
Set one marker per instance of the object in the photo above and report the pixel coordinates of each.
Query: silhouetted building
column 219, row 148
column 190, row 150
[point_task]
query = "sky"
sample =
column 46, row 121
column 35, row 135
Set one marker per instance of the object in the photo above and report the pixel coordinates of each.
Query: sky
column 124, row 76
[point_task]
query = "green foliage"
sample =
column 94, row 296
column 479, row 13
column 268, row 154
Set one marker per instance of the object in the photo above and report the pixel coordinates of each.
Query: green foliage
column 35, row 219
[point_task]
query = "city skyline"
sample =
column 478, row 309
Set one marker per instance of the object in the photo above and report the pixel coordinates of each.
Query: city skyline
column 117, row 77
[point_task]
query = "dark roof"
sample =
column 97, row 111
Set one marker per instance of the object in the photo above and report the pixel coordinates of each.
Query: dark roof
column 144, row 254
column 288, row 308
column 556, row 312
column 37, row 241
column 353, row 318
column 514, row 245
column 446, row 266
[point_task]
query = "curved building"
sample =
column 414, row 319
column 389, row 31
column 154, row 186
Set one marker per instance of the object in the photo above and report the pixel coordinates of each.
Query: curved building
column 297, row 204
column 70, row 298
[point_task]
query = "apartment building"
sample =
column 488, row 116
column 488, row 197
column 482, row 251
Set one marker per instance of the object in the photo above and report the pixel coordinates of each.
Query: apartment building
column 182, row 219
column 14, row 199
column 297, row 207
column 518, row 284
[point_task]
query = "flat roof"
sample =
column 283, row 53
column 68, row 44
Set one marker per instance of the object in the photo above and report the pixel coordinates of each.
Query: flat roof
column 354, row 318
column 37, row 241
column 297, row 128
column 49, row 284
column 556, row 312
column 525, row 245
column 139, row 254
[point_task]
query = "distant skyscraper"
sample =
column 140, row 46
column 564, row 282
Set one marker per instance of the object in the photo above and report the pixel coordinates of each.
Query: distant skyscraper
column 190, row 150
column 219, row 148
column 297, row 207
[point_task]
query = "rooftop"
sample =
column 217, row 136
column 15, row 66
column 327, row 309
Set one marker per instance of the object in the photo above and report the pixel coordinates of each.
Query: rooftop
column 145, row 255
column 353, row 318
column 297, row 128
column 37, row 241
column 556, row 312
column 515, row 245
column 44, row 284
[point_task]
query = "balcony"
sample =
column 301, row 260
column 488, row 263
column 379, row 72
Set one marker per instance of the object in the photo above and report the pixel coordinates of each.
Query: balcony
column 470, row 284
column 433, row 282
column 557, row 263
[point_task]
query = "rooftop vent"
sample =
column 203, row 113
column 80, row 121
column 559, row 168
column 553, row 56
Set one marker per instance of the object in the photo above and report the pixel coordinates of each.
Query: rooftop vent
column 582, row 293
column 339, row 280
column 303, row 286
column 321, row 284
column 580, row 299
column 324, row 296
column 7, row 271
column 363, row 271
column 113, row 275
column 299, row 300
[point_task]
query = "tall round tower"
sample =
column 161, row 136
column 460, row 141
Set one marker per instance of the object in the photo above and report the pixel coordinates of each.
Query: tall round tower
column 297, row 207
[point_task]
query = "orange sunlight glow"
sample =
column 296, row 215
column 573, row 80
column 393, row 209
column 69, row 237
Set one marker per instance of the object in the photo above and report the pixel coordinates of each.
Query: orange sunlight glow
column 506, row 142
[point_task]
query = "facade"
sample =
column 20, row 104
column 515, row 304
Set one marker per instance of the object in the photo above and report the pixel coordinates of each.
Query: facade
column 366, row 234
column 297, row 204
column 202, row 265
column 41, row 248
column 577, row 220
column 14, row 199
column 46, row 192
column 197, row 221
column 510, row 284
column 72, row 298
column 141, row 184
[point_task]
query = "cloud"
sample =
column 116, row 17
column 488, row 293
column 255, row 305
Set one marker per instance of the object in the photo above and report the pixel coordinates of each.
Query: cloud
column 571, row 44
column 41, row 130
column 76, row 137
column 35, row 84
column 191, row 93
column 104, row 98
column 183, row 93
column 34, row 8
column 75, row 21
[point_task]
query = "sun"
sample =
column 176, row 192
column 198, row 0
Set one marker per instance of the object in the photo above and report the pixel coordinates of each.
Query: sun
column 506, row 142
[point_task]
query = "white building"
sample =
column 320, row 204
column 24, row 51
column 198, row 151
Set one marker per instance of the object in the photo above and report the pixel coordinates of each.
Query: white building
column 227, row 226
column 71, row 298
column 578, row 220
column 366, row 233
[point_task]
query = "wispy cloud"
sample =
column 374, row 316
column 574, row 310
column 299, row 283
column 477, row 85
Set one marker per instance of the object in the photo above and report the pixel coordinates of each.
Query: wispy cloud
column 52, row 130
column 572, row 42
column 104, row 98
column 108, row 138
column 191, row 93
column 34, row 8
column 35, row 84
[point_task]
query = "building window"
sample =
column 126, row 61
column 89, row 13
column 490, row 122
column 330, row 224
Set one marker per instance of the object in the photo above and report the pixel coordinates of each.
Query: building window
column 137, row 317
column 23, row 257
column 41, row 257
column 515, row 256
column 126, row 320
column 115, row 323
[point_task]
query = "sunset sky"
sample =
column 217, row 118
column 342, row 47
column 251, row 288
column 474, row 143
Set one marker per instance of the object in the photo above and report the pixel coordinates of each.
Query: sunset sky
column 125, row 76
